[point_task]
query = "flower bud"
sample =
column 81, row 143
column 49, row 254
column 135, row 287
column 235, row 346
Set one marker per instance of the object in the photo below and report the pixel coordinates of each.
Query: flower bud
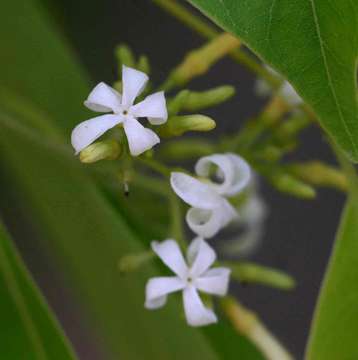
column 101, row 150
column 204, row 99
column 291, row 185
column 143, row 64
column 132, row 262
column 124, row 56
column 178, row 125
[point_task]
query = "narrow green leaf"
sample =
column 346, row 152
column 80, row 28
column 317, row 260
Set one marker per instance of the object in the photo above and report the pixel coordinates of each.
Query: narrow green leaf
column 28, row 328
column 314, row 43
column 335, row 326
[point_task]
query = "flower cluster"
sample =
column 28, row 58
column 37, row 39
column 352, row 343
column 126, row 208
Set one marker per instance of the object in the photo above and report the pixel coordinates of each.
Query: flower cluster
column 218, row 177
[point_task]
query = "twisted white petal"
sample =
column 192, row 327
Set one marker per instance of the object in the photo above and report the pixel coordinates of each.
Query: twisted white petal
column 194, row 192
column 214, row 281
column 133, row 84
column 140, row 139
column 103, row 98
column 169, row 252
column 195, row 312
column 232, row 170
column 207, row 223
column 158, row 288
column 153, row 107
column 200, row 257
column 88, row 131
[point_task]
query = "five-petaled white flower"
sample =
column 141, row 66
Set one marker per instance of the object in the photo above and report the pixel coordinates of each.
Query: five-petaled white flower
column 192, row 275
column 103, row 98
column 286, row 90
column 211, row 211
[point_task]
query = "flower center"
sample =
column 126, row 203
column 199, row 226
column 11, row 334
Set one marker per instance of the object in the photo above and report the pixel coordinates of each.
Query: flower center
column 125, row 112
column 189, row 279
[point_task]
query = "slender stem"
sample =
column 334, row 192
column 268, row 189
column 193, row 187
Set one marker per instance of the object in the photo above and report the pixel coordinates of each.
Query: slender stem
column 247, row 323
column 176, row 220
column 154, row 165
column 209, row 32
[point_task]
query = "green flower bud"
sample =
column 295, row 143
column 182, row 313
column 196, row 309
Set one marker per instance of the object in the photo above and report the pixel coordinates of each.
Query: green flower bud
column 178, row 125
column 204, row 99
column 124, row 56
column 101, row 150
column 320, row 174
column 289, row 184
column 133, row 262
column 176, row 104
column 143, row 64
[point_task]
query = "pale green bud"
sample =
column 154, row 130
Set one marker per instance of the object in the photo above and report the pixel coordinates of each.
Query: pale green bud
column 124, row 56
column 204, row 99
column 132, row 262
column 320, row 174
column 291, row 185
column 143, row 64
column 178, row 125
column 101, row 150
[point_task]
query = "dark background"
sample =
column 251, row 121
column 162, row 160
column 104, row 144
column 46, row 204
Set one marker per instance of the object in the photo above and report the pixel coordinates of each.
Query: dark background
column 299, row 234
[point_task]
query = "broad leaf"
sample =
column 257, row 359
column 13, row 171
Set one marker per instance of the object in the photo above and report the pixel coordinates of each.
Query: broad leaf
column 28, row 328
column 314, row 43
column 335, row 326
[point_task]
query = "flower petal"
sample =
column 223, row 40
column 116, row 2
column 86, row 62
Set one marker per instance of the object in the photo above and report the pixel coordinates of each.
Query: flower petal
column 232, row 169
column 152, row 107
column 242, row 174
column 103, row 98
column 207, row 223
column 140, row 139
column 289, row 94
column 133, row 84
column 195, row 312
column 88, row 131
column 214, row 281
column 194, row 192
column 169, row 252
column 200, row 257
column 158, row 288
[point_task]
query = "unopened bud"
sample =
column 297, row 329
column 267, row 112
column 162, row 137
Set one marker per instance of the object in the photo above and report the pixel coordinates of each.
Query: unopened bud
column 291, row 185
column 321, row 174
column 178, row 125
column 143, row 64
column 124, row 56
column 101, row 150
column 132, row 262
column 204, row 99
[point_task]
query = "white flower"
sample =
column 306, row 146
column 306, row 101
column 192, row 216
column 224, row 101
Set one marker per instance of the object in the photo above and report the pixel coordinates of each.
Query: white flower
column 103, row 98
column 286, row 90
column 191, row 275
column 210, row 210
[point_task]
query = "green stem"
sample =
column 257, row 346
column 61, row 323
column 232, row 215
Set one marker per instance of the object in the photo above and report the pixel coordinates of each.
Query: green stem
column 248, row 324
column 209, row 32
column 176, row 227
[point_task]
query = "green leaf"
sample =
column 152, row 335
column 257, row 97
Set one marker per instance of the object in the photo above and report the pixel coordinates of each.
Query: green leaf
column 335, row 326
column 28, row 328
column 314, row 43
